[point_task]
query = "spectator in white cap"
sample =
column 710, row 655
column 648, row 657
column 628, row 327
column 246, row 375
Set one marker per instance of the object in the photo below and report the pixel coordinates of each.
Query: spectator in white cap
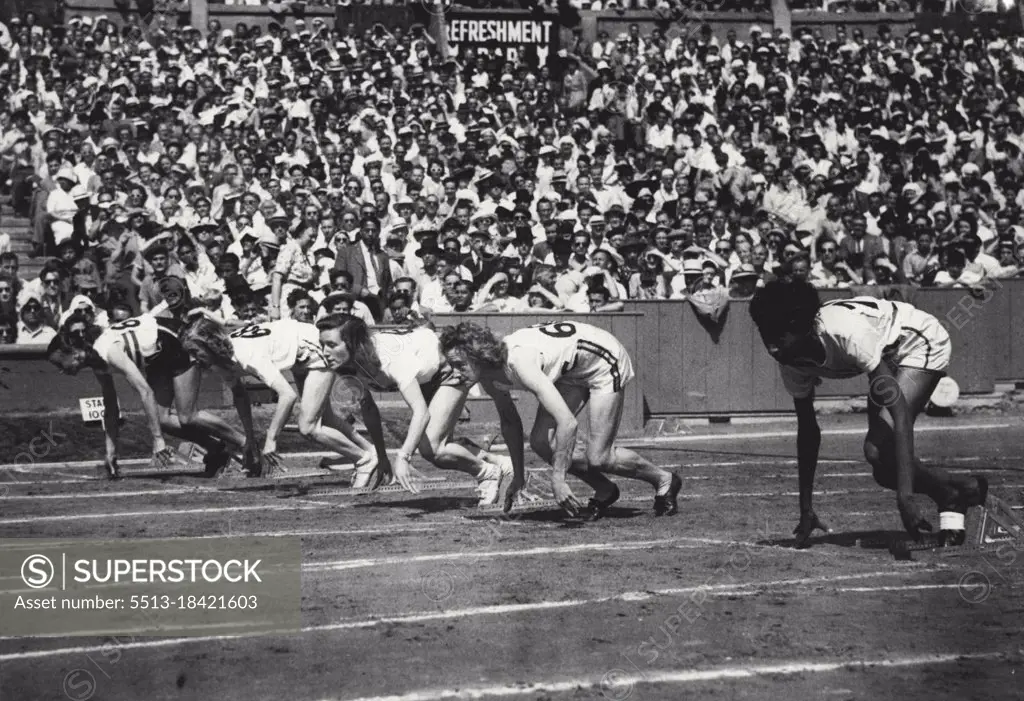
column 32, row 329
column 61, row 205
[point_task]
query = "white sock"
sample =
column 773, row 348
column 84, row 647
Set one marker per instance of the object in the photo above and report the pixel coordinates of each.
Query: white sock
column 951, row 521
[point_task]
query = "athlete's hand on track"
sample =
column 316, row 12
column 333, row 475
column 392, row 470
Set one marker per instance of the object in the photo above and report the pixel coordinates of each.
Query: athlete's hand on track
column 251, row 460
column 519, row 493
column 387, row 472
column 271, row 463
column 809, row 522
column 163, row 457
column 565, row 498
column 404, row 473
column 111, row 468
column 913, row 517
column 368, row 462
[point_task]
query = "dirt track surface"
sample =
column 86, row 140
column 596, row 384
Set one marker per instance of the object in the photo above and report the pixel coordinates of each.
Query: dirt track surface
column 430, row 599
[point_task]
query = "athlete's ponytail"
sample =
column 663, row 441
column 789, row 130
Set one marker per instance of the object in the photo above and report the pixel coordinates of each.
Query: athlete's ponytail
column 355, row 334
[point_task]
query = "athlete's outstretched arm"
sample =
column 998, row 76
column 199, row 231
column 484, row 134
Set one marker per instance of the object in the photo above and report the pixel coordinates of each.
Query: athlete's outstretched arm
column 120, row 362
column 566, row 426
column 413, row 396
column 371, row 419
column 111, row 415
column 243, row 405
column 512, row 433
column 808, row 443
column 883, row 381
column 286, row 398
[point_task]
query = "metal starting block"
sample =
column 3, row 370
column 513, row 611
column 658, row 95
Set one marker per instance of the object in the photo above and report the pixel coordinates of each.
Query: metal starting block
column 987, row 528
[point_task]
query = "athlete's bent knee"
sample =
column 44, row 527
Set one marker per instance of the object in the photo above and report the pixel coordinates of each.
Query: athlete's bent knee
column 872, row 453
column 308, row 427
column 601, row 462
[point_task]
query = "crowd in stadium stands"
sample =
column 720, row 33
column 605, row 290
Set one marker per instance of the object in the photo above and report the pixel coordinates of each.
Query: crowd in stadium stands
column 293, row 172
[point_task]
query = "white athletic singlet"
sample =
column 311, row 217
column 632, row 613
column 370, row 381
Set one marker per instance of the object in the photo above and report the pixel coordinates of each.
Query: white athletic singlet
column 150, row 343
column 406, row 356
column 858, row 333
column 575, row 354
column 282, row 345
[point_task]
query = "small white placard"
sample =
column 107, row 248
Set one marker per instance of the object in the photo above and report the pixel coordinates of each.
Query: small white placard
column 92, row 409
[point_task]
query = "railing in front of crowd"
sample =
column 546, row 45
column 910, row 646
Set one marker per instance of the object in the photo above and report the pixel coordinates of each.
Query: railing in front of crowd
column 615, row 22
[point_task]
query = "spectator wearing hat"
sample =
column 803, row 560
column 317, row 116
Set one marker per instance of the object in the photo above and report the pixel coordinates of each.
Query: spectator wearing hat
column 743, row 282
column 648, row 282
column 494, row 296
column 433, row 266
column 32, row 328
column 481, row 261
column 61, row 209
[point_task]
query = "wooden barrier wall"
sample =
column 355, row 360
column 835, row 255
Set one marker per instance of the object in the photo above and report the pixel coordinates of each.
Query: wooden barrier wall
column 683, row 370
column 30, row 384
column 680, row 368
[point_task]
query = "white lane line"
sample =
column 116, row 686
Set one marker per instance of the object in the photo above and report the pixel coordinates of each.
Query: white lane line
column 634, row 442
column 761, row 435
column 102, row 495
column 489, row 554
column 620, row 684
column 162, row 513
column 419, row 617
column 851, row 590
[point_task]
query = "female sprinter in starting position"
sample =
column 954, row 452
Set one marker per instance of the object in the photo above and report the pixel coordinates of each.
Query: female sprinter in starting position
column 904, row 352
column 566, row 365
column 147, row 352
column 265, row 351
column 409, row 361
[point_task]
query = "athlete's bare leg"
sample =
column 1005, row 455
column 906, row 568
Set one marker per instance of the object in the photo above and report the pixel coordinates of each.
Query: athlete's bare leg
column 880, row 444
column 439, row 448
column 543, row 434
column 317, row 420
column 202, row 427
column 605, row 414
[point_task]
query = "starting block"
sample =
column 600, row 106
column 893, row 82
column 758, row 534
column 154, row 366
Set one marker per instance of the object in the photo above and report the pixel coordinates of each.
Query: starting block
column 988, row 527
column 994, row 525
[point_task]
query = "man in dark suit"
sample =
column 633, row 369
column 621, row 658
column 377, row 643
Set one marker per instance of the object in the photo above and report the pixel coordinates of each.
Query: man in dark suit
column 369, row 267
column 860, row 248
column 481, row 262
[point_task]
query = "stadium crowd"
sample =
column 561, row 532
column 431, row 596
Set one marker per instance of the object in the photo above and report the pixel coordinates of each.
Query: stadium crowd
column 290, row 173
